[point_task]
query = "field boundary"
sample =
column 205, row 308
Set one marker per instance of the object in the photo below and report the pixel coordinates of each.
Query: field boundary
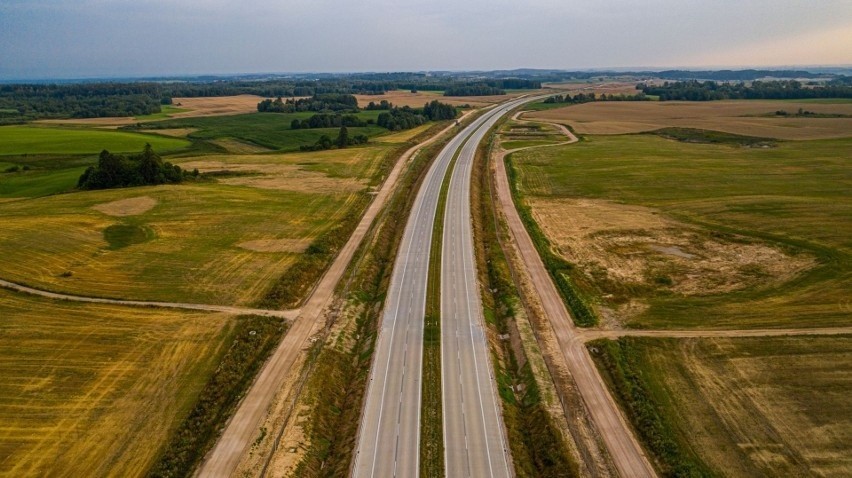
column 286, row 314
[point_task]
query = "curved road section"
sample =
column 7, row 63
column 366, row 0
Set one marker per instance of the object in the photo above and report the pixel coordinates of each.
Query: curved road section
column 389, row 438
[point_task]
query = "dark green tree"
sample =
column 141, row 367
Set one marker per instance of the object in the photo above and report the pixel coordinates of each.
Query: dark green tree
column 343, row 137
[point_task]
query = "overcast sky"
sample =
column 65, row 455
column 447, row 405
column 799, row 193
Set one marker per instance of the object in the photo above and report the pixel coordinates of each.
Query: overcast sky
column 92, row 38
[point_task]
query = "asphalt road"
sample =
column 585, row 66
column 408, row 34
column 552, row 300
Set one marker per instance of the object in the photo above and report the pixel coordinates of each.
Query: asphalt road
column 474, row 442
column 389, row 438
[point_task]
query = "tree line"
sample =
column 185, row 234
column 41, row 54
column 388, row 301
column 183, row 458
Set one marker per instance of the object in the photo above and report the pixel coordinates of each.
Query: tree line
column 394, row 118
column 323, row 102
column 343, row 140
column 587, row 98
column 119, row 171
column 776, row 90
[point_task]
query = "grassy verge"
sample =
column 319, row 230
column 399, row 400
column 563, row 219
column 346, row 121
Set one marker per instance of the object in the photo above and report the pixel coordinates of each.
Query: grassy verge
column 621, row 365
column 563, row 273
column 337, row 386
column 538, row 448
column 254, row 339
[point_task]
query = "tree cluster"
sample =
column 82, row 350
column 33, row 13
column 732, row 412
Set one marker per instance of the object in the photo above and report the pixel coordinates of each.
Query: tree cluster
column 329, row 120
column 381, row 105
column 401, row 118
column 324, row 102
column 119, row 171
column 474, row 90
column 776, row 90
column 343, row 140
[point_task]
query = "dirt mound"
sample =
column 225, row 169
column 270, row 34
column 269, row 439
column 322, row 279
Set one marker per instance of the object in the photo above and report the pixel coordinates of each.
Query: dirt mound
column 127, row 207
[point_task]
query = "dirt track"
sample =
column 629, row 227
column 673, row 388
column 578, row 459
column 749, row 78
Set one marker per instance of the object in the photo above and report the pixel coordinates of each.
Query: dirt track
column 242, row 429
column 625, row 451
column 287, row 314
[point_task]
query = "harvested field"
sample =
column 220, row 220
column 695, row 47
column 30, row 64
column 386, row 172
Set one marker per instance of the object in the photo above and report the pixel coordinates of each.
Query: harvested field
column 95, row 390
column 127, row 207
column 217, row 105
column 752, row 407
column 737, row 116
column 276, row 245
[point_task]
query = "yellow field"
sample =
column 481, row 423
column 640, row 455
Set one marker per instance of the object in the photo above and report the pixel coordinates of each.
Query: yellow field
column 738, row 117
column 94, row 390
column 757, row 407
column 194, row 235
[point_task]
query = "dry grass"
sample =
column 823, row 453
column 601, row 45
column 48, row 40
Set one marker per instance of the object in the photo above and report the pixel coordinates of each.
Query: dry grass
column 728, row 116
column 216, row 105
column 94, row 390
column 173, row 132
column 234, row 146
column 757, row 407
column 637, row 246
column 127, row 207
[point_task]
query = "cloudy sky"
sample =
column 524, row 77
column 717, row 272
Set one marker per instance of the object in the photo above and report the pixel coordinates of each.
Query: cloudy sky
column 91, row 38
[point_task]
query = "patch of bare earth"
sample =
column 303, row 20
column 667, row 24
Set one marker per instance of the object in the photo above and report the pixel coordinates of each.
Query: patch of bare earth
column 295, row 246
column 127, row 207
column 173, row 132
column 636, row 247
column 287, row 177
column 745, row 117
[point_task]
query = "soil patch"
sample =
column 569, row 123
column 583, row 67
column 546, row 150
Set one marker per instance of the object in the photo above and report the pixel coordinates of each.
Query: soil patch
column 127, row 207
column 288, row 177
column 638, row 248
column 173, row 132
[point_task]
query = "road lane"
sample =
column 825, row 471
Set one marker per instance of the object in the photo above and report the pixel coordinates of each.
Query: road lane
column 474, row 442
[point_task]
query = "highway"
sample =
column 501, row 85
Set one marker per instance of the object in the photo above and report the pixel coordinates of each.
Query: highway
column 474, row 442
column 389, row 438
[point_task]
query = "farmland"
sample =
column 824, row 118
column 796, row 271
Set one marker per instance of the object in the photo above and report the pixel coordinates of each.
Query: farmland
column 674, row 234
column 747, row 117
column 268, row 130
column 95, row 390
column 198, row 242
column 739, row 407
column 19, row 140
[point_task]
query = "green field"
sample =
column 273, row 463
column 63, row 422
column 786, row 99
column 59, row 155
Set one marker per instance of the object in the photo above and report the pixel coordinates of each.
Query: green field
column 95, row 390
column 20, row 140
column 222, row 241
column 737, row 407
column 270, row 130
column 786, row 209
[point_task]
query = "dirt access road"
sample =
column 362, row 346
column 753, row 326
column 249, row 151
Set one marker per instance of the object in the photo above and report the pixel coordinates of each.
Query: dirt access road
column 626, row 453
column 242, row 429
